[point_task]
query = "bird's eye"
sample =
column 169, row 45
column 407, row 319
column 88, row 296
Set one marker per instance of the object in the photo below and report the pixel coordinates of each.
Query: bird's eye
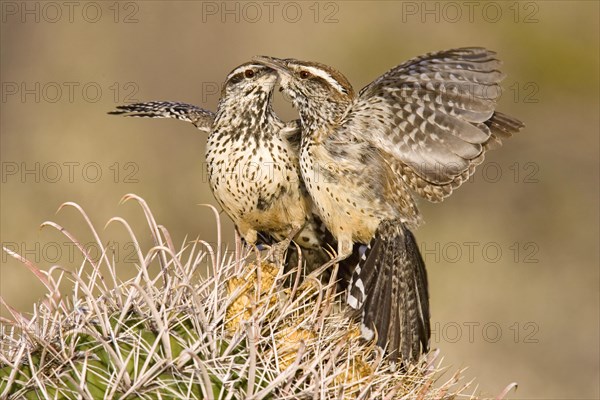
column 249, row 73
column 304, row 74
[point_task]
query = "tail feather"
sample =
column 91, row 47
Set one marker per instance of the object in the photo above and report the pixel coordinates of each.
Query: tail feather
column 420, row 283
column 390, row 287
column 502, row 127
column 201, row 118
column 377, row 312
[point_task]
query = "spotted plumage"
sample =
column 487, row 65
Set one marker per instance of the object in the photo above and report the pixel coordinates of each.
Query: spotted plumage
column 252, row 157
column 251, row 163
column 421, row 127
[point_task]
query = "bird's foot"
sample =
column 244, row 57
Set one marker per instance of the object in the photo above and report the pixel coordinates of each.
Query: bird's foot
column 317, row 272
column 278, row 250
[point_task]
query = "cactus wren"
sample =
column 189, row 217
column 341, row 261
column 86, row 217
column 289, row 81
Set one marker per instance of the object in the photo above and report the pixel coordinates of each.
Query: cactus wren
column 422, row 126
column 252, row 158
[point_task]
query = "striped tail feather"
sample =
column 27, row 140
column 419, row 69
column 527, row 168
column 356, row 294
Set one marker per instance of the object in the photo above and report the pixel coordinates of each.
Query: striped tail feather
column 501, row 127
column 389, row 287
column 201, row 118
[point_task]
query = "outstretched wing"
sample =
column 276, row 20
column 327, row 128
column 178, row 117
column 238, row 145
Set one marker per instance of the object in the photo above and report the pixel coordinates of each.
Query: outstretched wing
column 201, row 118
column 433, row 117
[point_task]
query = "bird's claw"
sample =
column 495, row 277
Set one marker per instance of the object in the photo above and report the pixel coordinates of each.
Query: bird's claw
column 277, row 253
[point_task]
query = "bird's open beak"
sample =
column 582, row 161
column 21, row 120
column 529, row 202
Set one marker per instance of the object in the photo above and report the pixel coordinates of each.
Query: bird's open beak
column 277, row 64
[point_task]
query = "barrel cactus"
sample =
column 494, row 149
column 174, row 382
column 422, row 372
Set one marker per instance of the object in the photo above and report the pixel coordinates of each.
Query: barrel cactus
column 242, row 331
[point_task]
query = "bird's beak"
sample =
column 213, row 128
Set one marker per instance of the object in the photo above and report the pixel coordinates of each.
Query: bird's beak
column 277, row 64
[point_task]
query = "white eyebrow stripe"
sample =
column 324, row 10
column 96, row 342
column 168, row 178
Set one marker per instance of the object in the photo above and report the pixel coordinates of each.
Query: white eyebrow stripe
column 235, row 72
column 327, row 77
column 241, row 69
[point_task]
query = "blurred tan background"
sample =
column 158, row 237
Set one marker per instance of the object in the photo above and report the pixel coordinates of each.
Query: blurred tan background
column 512, row 256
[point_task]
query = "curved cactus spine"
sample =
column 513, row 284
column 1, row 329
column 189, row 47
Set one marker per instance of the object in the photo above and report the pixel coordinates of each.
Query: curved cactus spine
column 240, row 333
